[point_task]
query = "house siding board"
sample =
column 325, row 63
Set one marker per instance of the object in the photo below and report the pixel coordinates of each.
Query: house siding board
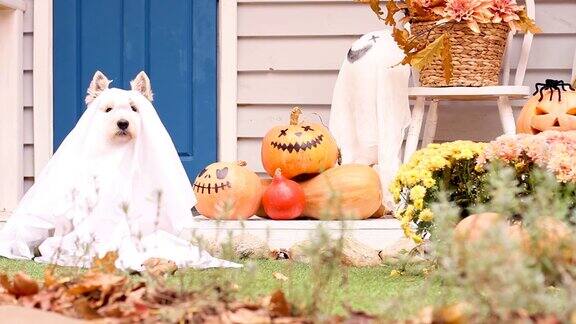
column 289, row 53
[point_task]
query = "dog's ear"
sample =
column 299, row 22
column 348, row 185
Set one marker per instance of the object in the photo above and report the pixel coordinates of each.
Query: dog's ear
column 98, row 84
column 142, row 84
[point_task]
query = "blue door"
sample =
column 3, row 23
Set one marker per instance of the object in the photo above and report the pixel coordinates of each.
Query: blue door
column 174, row 41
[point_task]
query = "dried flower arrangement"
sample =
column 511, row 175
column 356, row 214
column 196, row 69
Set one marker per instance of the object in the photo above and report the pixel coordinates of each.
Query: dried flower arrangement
column 436, row 26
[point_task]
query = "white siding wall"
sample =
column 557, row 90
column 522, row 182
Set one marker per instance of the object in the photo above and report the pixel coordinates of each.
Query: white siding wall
column 289, row 53
column 28, row 96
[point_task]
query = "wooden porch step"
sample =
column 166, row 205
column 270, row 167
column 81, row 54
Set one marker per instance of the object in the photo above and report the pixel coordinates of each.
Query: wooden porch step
column 377, row 233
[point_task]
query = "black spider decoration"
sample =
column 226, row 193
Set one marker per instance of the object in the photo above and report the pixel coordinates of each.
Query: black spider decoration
column 552, row 85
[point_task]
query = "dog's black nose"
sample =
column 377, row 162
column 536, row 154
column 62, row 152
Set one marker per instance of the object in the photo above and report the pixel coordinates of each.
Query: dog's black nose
column 122, row 124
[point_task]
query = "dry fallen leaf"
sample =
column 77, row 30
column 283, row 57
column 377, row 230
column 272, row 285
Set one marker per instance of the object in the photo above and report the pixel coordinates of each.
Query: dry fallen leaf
column 280, row 276
column 455, row 314
column 356, row 317
column 247, row 316
column 159, row 267
column 391, row 10
column 49, row 278
column 7, row 299
column 23, row 285
column 96, row 282
column 106, row 263
column 84, row 309
column 278, row 305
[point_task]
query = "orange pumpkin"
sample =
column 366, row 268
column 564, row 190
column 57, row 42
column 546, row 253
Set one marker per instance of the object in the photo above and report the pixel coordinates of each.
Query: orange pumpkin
column 475, row 227
column 548, row 114
column 555, row 240
column 348, row 191
column 227, row 190
column 298, row 149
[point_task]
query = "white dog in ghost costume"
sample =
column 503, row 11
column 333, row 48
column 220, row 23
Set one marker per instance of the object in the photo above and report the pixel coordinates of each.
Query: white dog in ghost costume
column 115, row 184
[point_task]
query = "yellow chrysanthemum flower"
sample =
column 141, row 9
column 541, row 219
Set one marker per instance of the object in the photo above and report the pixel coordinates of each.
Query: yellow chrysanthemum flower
column 423, row 172
column 426, row 215
column 417, row 192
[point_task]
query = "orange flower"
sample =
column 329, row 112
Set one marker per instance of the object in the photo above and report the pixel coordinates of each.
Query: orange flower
column 505, row 10
column 472, row 12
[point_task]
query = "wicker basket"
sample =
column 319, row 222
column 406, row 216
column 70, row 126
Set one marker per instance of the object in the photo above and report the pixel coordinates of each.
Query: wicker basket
column 476, row 57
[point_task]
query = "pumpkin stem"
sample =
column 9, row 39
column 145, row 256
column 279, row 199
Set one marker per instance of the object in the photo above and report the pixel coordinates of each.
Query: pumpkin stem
column 241, row 163
column 295, row 115
column 278, row 173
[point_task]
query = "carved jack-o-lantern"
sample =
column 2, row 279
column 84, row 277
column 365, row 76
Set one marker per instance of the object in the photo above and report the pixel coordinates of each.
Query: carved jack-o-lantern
column 554, row 108
column 299, row 148
column 227, row 190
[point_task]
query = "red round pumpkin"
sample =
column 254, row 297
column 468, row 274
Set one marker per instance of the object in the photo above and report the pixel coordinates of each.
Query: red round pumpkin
column 299, row 149
column 227, row 190
column 283, row 199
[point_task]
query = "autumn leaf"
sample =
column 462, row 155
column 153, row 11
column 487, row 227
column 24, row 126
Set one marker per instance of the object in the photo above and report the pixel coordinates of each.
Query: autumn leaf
column 407, row 59
column 404, row 20
column 85, row 310
column 278, row 305
column 49, row 278
column 526, row 24
column 391, row 10
column 96, row 281
column 106, row 263
column 22, row 285
column 159, row 267
column 447, row 65
column 244, row 315
column 280, row 276
column 422, row 58
column 455, row 313
column 401, row 38
column 416, row 10
column 5, row 282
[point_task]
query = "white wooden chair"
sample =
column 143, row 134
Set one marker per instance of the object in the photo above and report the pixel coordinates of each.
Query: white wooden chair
column 502, row 94
column 573, row 77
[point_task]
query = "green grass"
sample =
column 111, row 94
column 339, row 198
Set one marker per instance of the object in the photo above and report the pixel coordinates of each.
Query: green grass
column 367, row 289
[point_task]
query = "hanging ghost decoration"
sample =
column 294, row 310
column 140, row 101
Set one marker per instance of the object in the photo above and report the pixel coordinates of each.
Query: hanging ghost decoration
column 370, row 107
column 116, row 183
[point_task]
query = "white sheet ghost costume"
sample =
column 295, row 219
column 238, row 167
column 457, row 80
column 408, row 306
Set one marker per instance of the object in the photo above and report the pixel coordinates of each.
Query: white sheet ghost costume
column 370, row 107
column 115, row 184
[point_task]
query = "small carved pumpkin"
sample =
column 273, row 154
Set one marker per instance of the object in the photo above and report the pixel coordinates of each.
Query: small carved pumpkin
column 541, row 113
column 227, row 190
column 298, row 149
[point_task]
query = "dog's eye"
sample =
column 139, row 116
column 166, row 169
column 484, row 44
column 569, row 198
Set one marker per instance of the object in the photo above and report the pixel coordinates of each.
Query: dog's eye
column 108, row 109
column 134, row 109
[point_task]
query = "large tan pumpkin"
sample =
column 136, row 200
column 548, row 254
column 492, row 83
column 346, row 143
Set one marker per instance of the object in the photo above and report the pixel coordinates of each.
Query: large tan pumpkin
column 227, row 190
column 348, row 191
column 298, row 149
column 542, row 115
